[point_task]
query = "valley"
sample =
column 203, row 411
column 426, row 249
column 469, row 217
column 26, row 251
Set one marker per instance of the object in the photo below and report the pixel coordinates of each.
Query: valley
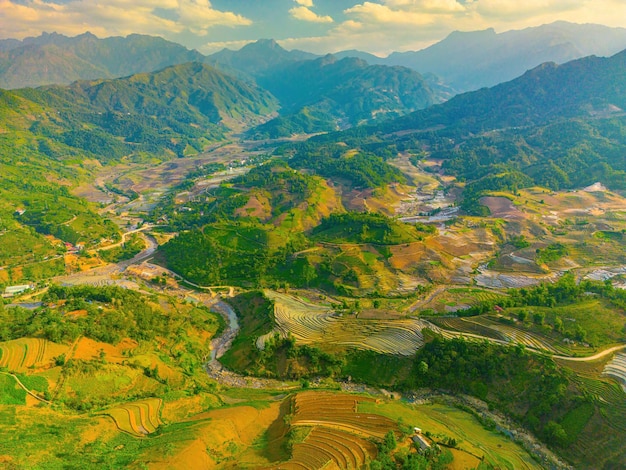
column 272, row 259
column 388, row 323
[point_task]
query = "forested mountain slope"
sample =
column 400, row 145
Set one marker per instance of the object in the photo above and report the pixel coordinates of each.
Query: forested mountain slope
column 319, row 95
column 52, row 138
column 556, row 126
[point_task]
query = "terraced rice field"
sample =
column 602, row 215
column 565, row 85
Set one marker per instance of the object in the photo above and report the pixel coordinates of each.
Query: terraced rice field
column 516, row 335
column 455, row 298
column 341, row 436
column 339, row 412
column 21, row 354
column 138, row 418
column 463, row 325
column 324, row 446
column 310, row 324
column 617, row 369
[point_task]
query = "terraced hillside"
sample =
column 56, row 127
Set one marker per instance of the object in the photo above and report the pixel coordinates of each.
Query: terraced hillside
column 617, row 369
column 29, row 353
column 315, row 324
column 337, row 434
column 138, row 418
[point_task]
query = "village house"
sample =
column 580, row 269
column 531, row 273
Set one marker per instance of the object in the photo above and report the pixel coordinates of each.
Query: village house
column 11, row 291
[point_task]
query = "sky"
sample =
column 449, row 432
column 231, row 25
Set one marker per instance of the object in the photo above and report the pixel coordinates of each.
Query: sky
column 320, row 26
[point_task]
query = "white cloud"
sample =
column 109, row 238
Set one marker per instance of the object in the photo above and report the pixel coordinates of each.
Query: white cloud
column 388, row 25
column 382, row 14
column 378, row 26
column 304, row 14
column 112, row 17
column 441, row 6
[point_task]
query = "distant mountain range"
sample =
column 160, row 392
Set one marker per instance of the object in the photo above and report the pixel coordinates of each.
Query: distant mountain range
column 257, row 58
column 57, row 59
column 461, row 62
column 469, row 61
column 558, row 126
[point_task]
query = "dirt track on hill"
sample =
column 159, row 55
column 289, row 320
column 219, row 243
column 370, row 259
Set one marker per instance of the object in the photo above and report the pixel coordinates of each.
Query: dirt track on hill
column 599, row 355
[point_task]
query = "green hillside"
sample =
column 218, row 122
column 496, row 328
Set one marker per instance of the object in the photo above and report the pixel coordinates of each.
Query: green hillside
column 53, row 138
column 539, row 129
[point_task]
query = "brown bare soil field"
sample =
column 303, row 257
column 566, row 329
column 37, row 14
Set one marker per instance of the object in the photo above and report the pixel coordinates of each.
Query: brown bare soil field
column 223, row 435
column 76, row 314
column 502, row 208
column 477, row 243
column 407, row 256
column 74, row 262
column 257, row 206
column 88, row 349
column 184, row 408
column 93, row 194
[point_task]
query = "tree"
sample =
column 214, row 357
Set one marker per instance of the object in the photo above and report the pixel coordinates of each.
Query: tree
column 558, row 324
column 580, row 334
column 555, row 433
column 422, row 368
column 538, row 318
column 389, row 444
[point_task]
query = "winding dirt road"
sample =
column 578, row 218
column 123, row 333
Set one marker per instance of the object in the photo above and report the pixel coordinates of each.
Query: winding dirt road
column 599, row 355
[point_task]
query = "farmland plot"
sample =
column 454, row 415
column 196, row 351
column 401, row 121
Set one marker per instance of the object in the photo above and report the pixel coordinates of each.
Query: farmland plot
column 516, row 335
column 138, row 418
column 341, row 436
column 309, row 324
column 21, row 354
column 339, row 412
column 463, row 325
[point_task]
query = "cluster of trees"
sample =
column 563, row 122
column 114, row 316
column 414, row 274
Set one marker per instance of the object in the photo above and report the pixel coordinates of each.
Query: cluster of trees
column 112, row 314
column 552, row 252
column 368, row 227
column 388, row 458
column 362, row 169
column 130, row 248
column 530, row 387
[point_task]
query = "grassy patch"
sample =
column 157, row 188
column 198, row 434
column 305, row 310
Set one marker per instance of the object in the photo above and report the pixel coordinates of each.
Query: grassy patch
column 445, row 421
column 10, row 392
column 576, row 419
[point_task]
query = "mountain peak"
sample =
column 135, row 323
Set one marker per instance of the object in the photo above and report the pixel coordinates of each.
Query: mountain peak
column 264, row 45
column 270, row 43
column 482, row 33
